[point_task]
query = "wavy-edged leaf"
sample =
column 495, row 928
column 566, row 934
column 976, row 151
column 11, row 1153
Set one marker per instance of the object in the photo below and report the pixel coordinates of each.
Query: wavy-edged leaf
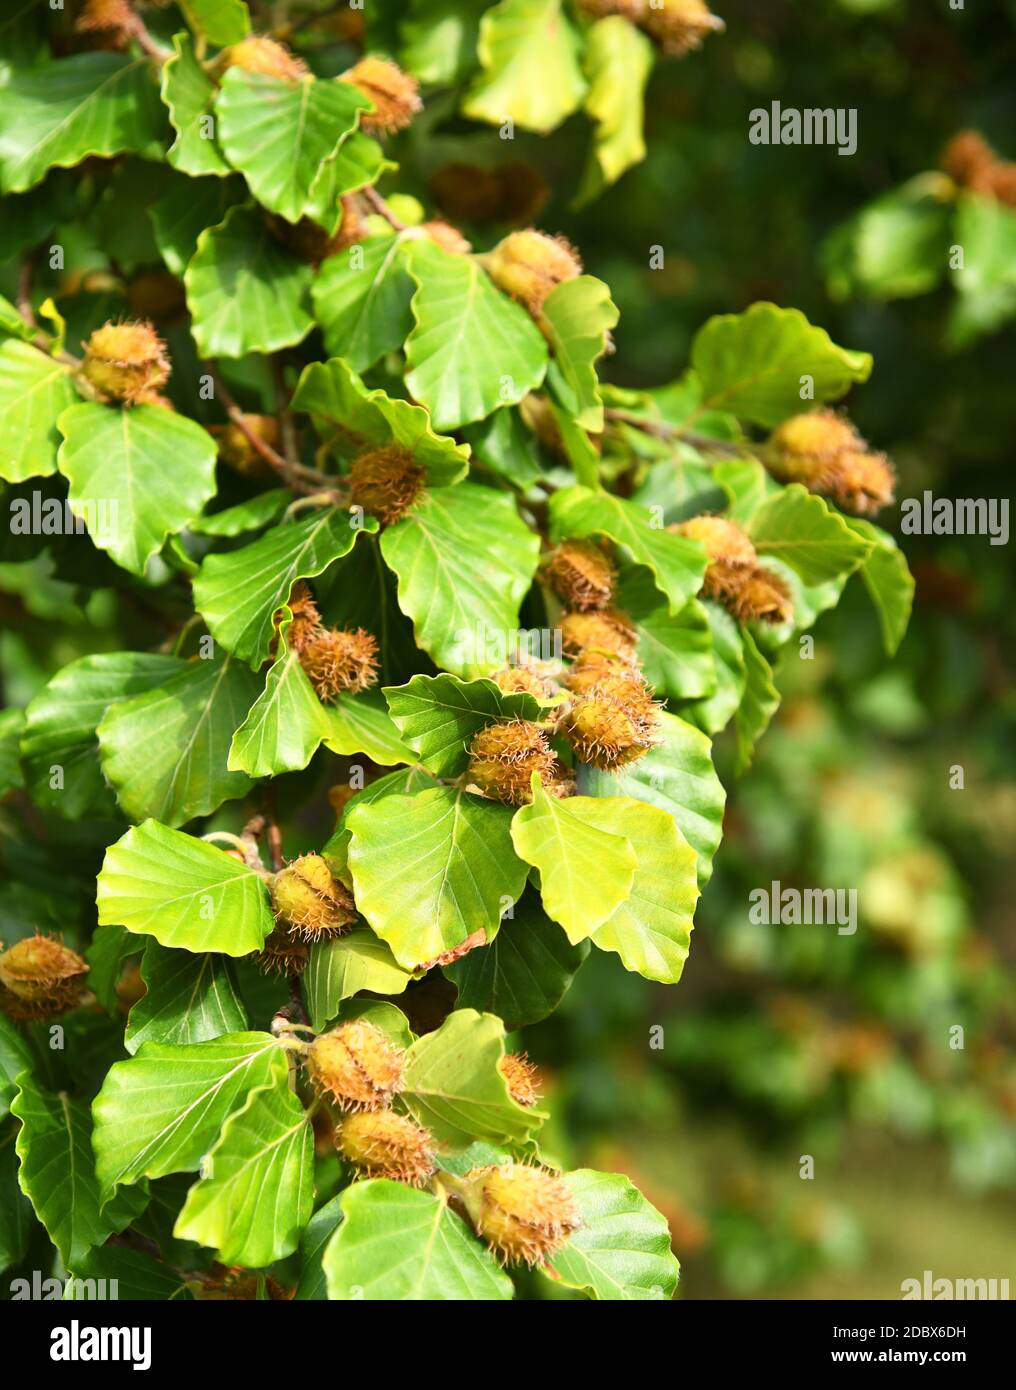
column 675, row 650
column 401, row 783
column 188, row 999
column 251, row 515
column 472, row 349
column 57, row 1172
column 754, row 364
column 619, row 59
column 318, row 1233
column 398, row 1244
column 285, row 724
column 161, row 1111
column 183, row 891
column 256, row 1189
column 457, row 605
column 524, row 973
column 888, row 580
column 438, row 716
column 453, row 1086
column 135, row 1276
column 185, row 210
column 678, row 776
column 529, row 53
column 15, row 1058
column 17, row 1219
column 136, row 476
column 237, row 594
column 12, row 723
column 219, row 21
column 759, row 704
column 622, row 1250
column 714, row 711
column 803, row 531
column 429, row 870
column 579, row 315
column 245, row 292
column 34, row 392
column 279, row 133
column 361, row 300
column 586, row 872
column 344, row 966
column 64, row 111
column 189, row 93
column 361, row 724
column 678, row 565
column 165, row 751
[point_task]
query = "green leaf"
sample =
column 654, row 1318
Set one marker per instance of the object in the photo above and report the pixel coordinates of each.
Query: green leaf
column 472, row 349
column 678, row 776
column 34, row 390
column 318, row 1233
column 185, row 210
column 88, row 104
column 17, row 1218
column 803, row 531
column 244, row 291
column 187, row 999
column 15, row 1057
column 888, row 580
column 619, row 59
column 61, row 721
column 579, row 315
column 678, row 565
column 12, row 722
column 714, row 712
column 358, row 162
column 256, row 1189
column 338, row 400
column 238, row 594
column 344, row 966
column 182, row 891
column 753, row 364
column 161, row 1111
column 761, row 701
column 675, row 651
column 431, row 869
column 251, row 515
column 453, row 1085
column 278, row 133
column 524, row 973
column 986, row 280
column 439, row 39
column 189, row 93
column 286, row 722
column 106, row 953
column 136, row 476
column 398, row 1244
column 165, row 752
column 504, row 445
column 586, row 872
column 220, row 21
column 135, row 1276
column 438, row 716
column 402, row 783
column 897, row 246
column 651, row 930
column 622, row 1250
column 456, row 605
column 360, row 724
column 361, row 300
column 57, row 1171
column 529, row 53
column 11, row 323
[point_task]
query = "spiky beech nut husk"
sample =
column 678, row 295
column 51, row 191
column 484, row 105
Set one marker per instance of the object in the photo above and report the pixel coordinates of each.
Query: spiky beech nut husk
column 966, row 156
column 41, row 977
column 612, row 724
column 527, row 265
column 236, row 450
column 858, row 480
column 824, row 451
column 283, row 953
column 760, row 596
column 396, row 95
column 338, row 659
column 539, row 417
column 525, row 679
column 523, row 1213
column 387, row 1145
column 106, row 17
column 679, row 26
column 310, row 900
column 590, row 668
column 356, row 1065
column 503, row 758
column 609, row 632
column 581, row 575
column 353, row 226
column 446, row 236
column 265, row 56
column 721, row 539
column 306, row 624
column 122, row 360
column 1002, row 183
column 521, row 1078
column 385, row 482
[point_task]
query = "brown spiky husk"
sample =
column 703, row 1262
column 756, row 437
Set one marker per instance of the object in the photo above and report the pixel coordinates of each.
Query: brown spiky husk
column 385, row 482
column 521, row 1078
column 824, row 451
column 283, row 953
column 267, row 57
column 581, row 575
column 340, row 659
column 387, row 1145
column 967, row 158
column 524, row 1213
column 356, row 1065
column 311, row 901
column 679, row 26
column 503, row 758
column 609, row 633
column 306, row 624
column 613, row 723
column 721, row 539
column 760, row 596
column 107, row 17
column 590, row 668
column 526, row 679
column 446, row 236
column 125, row 360
column 40, row 978
column 528, row 264
column 396, row 95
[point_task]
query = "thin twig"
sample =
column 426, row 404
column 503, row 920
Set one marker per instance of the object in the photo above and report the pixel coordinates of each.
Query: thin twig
column 679, row 434
column 287, row 430
column 382, row 209
column 295, row 475
column 139, row 32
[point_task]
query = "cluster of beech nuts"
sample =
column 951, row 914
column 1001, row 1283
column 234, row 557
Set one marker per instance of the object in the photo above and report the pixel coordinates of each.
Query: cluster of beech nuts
column 523, row 1212
column 677, row 26
column 336, row 659
column 973, row 164
column 823, row 450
